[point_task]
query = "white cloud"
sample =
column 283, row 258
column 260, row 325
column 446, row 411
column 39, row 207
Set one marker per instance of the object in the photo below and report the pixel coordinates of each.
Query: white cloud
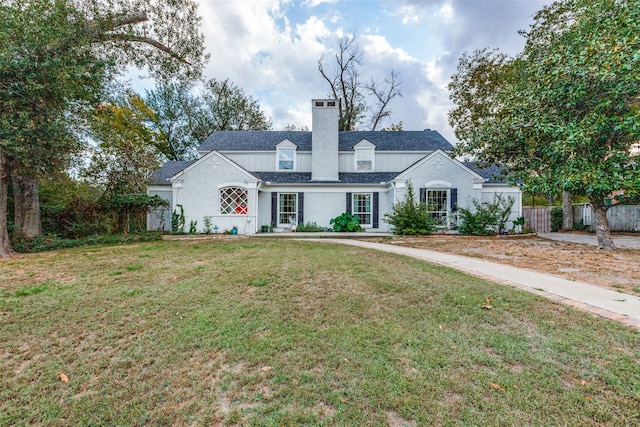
column 409, row 13
column 447, row 13
column 314, row 3
column 270, row 48
column 378, row 49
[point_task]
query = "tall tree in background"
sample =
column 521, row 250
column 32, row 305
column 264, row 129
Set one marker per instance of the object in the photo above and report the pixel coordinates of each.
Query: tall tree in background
column 55, row 57
column 564, row 114
column 126, row 153
column 174, row 106
column 222, row 105
column 187, row 118
column 346, row 85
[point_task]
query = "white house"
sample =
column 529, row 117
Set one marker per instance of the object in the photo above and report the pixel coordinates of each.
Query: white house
column 248, row 179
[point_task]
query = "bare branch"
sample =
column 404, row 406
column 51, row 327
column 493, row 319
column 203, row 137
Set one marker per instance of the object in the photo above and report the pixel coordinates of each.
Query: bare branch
column 383, row 97
column 139, row 39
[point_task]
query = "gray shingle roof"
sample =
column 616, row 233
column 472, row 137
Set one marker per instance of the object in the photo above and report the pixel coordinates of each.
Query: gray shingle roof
column 490, row 173
column 169, row 169
column 427, row 140
column 305, row 177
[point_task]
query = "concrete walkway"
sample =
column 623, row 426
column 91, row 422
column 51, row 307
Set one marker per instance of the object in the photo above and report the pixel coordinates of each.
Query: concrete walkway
column 626, row 241
column 618, row 306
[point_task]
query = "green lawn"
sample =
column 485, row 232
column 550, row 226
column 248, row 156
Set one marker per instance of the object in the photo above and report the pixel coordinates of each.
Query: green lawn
column 271, row 333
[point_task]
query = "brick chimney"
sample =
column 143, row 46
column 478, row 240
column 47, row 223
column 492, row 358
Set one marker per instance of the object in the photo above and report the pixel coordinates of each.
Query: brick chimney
column 324, row 140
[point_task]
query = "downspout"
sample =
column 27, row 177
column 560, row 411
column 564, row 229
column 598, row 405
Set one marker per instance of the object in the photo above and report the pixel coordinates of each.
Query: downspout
column 395, row 196
column 255, row 213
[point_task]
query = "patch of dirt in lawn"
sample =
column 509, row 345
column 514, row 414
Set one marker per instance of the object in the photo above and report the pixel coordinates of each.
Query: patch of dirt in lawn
column 617, row 270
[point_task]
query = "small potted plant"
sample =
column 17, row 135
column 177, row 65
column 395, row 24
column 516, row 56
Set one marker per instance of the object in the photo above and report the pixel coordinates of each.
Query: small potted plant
column 234, row 230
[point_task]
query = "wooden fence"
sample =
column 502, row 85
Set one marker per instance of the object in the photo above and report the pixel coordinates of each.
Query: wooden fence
column 621, row 218
column 538, row 218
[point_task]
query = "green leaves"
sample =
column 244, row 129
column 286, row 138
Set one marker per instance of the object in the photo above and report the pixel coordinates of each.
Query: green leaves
column 346, row 222
column 564, row 113
column 410, row 217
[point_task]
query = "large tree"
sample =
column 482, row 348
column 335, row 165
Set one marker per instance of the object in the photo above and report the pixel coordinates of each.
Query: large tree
column 125, row 154
column 173, row 105
column 187, row 116
column 562, row 115
column 356, row 97
column 222, row 105
column 54, row 59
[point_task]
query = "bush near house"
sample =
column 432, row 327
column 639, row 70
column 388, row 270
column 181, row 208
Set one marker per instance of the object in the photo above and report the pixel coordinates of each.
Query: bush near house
column 346, row 222
column 486, row 217
column 309, row 227
column 410, row 217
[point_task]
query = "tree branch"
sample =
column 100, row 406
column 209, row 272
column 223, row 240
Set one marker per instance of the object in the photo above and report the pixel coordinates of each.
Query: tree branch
column 123, row 37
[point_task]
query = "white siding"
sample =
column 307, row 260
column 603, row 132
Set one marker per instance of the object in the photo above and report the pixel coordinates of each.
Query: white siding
column 448, row 173
column 257, row 161
column 197, row 190
column 490, row 190
column 160, row 219
column 323, row 203
column 385, row 161
column 265, row 161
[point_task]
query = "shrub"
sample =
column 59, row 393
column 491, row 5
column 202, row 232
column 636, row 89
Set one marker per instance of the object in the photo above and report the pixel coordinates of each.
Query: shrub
column 346, row 222
column 410, row 217
column 177, row 220
column 486, row 218
column 556, row 218
column 53, row 242
column 309, row 227
column 207, row 224
column 129, row 211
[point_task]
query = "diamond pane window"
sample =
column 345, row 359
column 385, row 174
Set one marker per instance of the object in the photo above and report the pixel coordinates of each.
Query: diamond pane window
column 233, row 201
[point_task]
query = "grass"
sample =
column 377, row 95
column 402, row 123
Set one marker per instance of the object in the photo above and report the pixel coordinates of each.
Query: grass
column 270, row 333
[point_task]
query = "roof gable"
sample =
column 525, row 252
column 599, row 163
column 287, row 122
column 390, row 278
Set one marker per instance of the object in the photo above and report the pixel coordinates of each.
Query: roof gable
column 286, row 144
column 364, row 144
column 211, row 157
column 441, row 153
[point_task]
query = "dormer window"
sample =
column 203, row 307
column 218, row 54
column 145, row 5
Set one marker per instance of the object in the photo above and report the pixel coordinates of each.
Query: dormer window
column 364, row 157
column 286, row 156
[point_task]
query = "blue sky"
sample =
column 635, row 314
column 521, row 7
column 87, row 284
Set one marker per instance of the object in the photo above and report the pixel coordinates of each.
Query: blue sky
column 270, row 48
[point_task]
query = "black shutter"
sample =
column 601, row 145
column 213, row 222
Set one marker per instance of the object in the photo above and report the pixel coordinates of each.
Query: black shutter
column 300, row 208
column 454, row 199
column 376, row 208
column 349, row 199
column 423, row 195
column 274, row 209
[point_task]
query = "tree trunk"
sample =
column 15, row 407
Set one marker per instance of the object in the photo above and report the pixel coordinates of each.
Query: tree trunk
column 26, row 202
column 603, row 232
column 5, row 243
column 567, row 211
column 550, row 199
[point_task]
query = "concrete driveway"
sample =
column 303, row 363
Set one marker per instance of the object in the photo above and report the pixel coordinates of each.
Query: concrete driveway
column 626, row 241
